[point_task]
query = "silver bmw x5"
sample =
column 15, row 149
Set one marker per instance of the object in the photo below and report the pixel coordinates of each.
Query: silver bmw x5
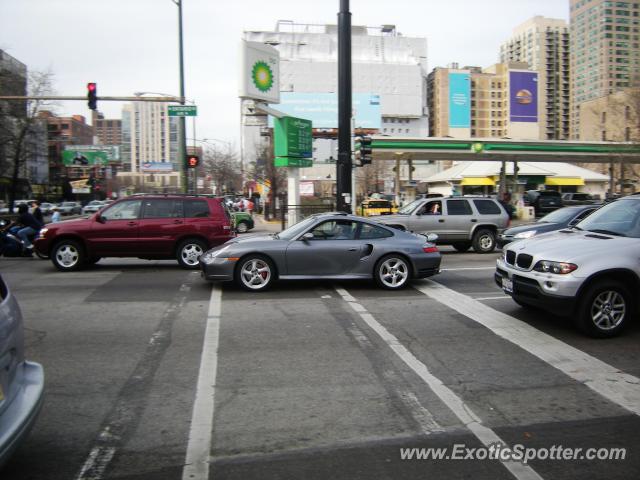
column 590, row 272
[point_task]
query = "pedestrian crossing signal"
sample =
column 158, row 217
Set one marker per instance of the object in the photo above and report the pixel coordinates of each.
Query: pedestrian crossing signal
column 193, row 161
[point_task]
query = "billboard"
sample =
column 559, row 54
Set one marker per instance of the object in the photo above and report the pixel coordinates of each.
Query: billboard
column 322, row 108
column 523, row 96
column 459, row 100
column 84, row 158
column 157, row 167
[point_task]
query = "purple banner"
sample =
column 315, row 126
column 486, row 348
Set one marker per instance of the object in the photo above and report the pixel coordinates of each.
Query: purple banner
column 523, row 96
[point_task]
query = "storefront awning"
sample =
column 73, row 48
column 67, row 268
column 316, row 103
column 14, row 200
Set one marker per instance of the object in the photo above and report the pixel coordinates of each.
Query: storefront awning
column 564, row 181
column 477, row 181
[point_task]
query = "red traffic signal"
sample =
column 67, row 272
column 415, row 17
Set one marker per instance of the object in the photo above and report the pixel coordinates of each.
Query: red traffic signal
column 92, row 95
column 193, row 161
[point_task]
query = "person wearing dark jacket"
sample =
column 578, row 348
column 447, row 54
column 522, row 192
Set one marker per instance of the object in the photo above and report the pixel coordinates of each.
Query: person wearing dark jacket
column 36, row 212
column 30, row 225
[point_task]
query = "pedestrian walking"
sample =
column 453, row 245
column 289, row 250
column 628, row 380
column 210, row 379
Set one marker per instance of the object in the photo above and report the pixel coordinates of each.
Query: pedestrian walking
column 55, row 217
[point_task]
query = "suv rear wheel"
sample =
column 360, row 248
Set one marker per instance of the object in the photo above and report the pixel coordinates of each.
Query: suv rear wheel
column 484, row 241
column 67, row 255
column 189, row 252
column 604, row 309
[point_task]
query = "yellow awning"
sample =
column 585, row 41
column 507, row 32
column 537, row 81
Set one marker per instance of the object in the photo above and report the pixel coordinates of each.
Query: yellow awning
column 476, row 181
column 564, row 181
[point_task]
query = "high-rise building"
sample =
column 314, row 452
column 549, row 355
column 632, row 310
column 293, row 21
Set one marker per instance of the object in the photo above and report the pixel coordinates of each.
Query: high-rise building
column 108, row 130
column 497, row 102
column 386, row 65
column 543, row 43
column 149, row 152
column 605, row 51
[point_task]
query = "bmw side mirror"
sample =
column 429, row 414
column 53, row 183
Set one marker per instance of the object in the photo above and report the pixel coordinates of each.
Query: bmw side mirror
column 432, row 237
column 307, row 236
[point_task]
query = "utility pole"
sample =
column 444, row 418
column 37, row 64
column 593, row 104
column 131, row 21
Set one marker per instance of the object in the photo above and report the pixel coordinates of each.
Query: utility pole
column 183, row 126
column 344, row 198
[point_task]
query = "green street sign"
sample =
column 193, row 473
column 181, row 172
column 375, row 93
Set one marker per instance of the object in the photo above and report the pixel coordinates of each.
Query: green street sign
column 183, row 110
column 293, row 162
column 84, row 158
column 293, row 137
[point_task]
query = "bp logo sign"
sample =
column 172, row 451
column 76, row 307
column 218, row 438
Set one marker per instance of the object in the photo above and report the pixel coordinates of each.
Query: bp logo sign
column 262, row 76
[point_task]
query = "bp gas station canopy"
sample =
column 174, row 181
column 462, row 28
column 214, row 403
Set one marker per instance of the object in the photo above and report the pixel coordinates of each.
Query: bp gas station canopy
column 490, row 149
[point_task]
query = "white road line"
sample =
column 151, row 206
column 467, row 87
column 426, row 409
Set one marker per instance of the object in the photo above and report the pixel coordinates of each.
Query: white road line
column 501, row 297
column 463, row 411
column 616, row 386
column 199, row 447
column 466, row 268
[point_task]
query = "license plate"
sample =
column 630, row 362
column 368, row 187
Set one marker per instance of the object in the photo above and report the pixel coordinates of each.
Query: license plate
column 507, row 285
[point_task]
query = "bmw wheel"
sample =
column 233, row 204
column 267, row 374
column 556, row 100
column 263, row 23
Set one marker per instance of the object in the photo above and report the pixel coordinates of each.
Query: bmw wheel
column 189, row 252
column 392, row 272
column 254, row 273
column 67, row 255
column 604, row 309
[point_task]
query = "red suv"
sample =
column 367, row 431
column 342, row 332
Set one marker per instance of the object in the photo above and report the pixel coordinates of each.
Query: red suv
column 144, row 226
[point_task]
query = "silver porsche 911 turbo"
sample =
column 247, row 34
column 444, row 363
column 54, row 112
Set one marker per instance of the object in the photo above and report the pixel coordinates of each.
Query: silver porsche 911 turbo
column 332, row 246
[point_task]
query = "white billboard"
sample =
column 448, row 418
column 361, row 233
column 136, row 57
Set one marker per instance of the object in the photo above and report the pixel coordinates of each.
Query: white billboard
column 260, row 75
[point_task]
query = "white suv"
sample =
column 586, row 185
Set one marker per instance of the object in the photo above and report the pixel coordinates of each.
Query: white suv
column 590, row 272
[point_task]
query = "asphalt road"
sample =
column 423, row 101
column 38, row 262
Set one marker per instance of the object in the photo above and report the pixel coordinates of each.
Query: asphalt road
column 154, row 374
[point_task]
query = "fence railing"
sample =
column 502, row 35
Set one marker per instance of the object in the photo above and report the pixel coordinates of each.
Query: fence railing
column 281, row 211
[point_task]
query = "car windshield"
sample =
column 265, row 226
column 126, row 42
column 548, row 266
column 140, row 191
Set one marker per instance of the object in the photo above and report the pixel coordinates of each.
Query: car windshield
column 407, row 209
column 620, row 218
column 559, row 216
column 296, row 229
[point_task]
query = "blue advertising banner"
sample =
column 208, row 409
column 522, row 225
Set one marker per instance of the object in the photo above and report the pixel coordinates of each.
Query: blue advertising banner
column 459, row 100
column 523, row 96
column 322, row 108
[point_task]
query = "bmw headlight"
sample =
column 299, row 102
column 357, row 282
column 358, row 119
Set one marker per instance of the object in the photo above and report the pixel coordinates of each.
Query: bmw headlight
column 559, row 268
column 527, row 234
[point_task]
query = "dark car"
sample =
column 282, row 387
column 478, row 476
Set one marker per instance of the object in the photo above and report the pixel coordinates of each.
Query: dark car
column 556, row 220
column 330, row 246
column 578, row 198
column 543, row 201
column 142, row 226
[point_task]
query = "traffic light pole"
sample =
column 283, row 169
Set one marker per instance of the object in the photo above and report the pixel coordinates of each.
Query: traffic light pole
column 183, row 125
column 344, row 198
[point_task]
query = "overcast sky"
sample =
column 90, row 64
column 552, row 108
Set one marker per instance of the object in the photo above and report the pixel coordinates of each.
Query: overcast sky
column 129, row 46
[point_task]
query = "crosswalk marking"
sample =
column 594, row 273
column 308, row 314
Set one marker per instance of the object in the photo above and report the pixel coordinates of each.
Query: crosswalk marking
column 456, row 404
column 616, row 386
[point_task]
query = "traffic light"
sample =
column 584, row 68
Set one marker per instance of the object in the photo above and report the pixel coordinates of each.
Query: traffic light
column 365, row 150
column 92, row 95
column 193, row 161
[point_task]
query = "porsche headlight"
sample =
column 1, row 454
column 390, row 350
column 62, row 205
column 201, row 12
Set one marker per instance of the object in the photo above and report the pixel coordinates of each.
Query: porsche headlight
column 208, row 257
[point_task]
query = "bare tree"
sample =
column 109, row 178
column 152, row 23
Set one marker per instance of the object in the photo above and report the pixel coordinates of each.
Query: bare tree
column 19, row 120
column 264, row 169
column 224, row 169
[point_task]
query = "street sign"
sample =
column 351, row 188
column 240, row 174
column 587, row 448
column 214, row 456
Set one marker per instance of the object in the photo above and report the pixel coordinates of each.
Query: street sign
column 293, row 137
column 183, row 110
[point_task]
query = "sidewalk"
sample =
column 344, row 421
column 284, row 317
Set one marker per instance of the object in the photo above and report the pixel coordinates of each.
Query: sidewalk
column 261, row 225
